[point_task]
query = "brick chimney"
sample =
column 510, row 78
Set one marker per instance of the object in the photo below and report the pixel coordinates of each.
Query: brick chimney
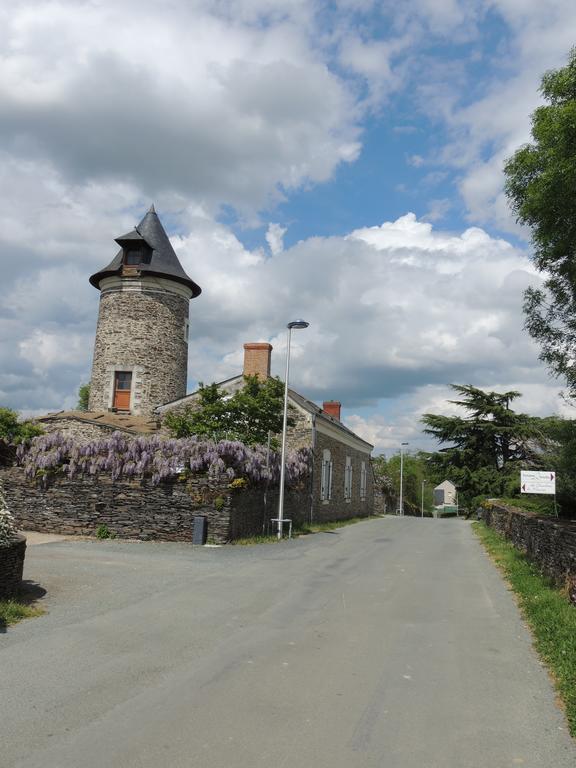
column 332, row 408
column 257, row 359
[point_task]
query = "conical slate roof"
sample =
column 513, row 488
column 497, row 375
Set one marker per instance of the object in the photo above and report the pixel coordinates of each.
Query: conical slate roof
column 163, row 261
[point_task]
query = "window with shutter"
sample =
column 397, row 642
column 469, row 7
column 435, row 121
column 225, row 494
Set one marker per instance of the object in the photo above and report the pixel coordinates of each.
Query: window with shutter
column 326, row 477
column 348, row 479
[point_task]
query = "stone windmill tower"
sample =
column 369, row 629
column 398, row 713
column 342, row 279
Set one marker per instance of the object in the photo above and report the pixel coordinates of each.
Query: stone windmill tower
column 141, row 348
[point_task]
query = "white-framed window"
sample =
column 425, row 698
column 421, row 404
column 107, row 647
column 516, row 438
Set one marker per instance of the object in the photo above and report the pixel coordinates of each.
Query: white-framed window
column 348, row 479
column 326, row 477
column 363, row 481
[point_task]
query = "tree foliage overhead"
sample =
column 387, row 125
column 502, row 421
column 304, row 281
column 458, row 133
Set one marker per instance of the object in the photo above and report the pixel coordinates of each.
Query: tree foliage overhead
column 541, row 186
column 483, row 450
column 248, row 415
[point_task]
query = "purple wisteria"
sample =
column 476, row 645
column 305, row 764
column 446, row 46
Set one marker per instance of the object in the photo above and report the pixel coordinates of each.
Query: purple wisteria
column 159, row 459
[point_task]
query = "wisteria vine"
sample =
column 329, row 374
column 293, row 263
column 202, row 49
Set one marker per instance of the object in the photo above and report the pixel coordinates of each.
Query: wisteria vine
column 159, row 459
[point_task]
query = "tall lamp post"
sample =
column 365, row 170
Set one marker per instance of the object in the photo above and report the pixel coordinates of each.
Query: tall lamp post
column 294, row 324
column 423, row 484
column 401, row 506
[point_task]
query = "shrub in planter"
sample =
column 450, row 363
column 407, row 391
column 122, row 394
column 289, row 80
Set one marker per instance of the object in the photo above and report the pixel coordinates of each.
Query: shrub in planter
column 12, row 549
column 7, row 525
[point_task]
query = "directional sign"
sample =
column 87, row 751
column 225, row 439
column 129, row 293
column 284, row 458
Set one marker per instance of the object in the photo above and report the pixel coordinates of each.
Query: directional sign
column 538, row 482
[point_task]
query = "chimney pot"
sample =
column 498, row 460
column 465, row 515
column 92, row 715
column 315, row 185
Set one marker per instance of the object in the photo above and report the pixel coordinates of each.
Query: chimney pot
column 332, row 408
column 257, row 359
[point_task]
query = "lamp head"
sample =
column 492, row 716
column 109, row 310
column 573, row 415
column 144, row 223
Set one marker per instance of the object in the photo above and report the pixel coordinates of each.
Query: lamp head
column 298, row 324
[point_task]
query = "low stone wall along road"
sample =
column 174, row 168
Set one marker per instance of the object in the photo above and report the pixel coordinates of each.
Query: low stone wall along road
column 393, row 643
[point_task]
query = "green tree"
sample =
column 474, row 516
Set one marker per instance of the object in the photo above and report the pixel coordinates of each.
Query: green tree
column 248, row 415
column 485, row 449
column 415, row 474
column 558, row 452
column 13, row 431
column 83, row 397
column 541, row 187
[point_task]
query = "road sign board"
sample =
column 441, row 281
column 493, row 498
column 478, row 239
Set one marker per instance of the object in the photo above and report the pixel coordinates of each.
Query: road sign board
column 538, row 482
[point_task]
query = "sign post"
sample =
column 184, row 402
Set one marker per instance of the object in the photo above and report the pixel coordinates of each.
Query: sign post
column 539, row 482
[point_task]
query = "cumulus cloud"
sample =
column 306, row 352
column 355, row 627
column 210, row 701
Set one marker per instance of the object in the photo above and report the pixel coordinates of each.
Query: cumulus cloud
column 275, row 238
column 489, row 123
column 391, row 308
column 216, row 105
column 46, row 350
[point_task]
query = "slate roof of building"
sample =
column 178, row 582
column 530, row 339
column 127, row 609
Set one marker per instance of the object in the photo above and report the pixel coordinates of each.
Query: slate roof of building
column 163, row 262
column 119, row 421
column 310, row 406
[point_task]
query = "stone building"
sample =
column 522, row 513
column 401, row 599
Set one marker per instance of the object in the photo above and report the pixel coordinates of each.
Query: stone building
column 342, row 481
column 141, row 347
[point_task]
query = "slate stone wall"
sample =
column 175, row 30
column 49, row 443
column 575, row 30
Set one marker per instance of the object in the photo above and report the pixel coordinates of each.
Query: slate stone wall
column 142, row 331
column 339, row 508
column 254, row 510
column 549, row 543
column 81, row 430
column 132, row 509
column 299, row 435
column 11, row 567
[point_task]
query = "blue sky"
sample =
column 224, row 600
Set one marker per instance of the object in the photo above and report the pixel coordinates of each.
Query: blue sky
column 341, row 161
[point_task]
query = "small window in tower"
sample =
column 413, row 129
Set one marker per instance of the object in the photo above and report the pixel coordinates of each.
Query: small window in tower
column 137, row 254
column 133, row 256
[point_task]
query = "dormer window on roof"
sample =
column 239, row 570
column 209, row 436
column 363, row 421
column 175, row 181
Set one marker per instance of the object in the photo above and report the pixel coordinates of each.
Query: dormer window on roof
column 136, row 254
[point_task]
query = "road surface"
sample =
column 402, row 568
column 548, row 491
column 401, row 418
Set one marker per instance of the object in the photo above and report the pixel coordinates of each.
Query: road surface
column 391, row 643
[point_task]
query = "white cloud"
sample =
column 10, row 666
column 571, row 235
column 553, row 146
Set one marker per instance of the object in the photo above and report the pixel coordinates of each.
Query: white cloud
column 416, row 161
column 437, row 209
column 391, row 308
column 46, row 350
column 489, row 123
column 229, row 106
column 275, row 238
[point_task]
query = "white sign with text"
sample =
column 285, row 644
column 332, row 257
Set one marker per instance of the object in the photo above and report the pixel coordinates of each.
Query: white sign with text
column 538, row 482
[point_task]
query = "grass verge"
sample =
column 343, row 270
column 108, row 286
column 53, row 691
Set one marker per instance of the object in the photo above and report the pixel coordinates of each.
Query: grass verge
column 332, row 525
column 301, row 530
column 547, row 611
column 12, row 611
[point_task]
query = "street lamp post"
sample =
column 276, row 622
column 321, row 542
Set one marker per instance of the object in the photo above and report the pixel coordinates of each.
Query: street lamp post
column 294, row 324
column 423, row 484
column 401, row 505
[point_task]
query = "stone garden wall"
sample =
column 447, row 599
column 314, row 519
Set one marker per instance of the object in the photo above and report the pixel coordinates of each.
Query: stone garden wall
column 135, row 509
column 548, row 542
column 11, row 567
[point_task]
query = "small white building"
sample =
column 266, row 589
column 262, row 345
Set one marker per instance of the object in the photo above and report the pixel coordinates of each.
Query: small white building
column 445, row 495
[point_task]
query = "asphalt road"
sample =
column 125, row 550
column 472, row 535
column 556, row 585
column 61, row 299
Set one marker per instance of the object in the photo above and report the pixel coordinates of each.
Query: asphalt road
column 392, row 643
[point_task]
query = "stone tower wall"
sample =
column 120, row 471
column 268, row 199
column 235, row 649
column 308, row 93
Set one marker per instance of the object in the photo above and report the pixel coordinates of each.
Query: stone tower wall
column 142, row 328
